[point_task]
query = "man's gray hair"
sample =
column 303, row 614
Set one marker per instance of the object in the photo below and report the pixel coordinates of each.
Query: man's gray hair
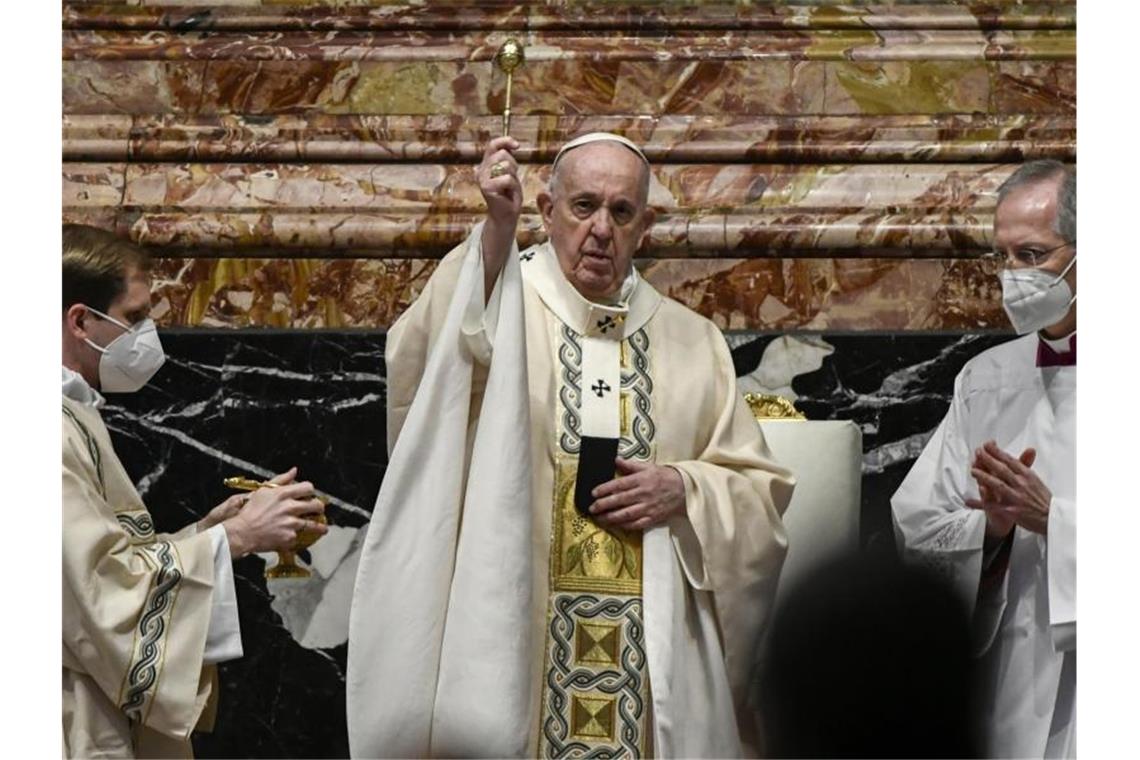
column 1043, row 170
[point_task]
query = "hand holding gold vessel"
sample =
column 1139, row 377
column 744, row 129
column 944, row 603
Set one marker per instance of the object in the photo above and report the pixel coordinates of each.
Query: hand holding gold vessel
column 278, row 515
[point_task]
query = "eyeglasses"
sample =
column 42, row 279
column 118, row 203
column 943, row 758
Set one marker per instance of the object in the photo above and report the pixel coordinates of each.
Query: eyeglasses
column 994, row 261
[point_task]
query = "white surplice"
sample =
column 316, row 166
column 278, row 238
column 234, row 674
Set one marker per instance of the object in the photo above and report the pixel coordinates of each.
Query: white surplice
column 1025, row 627
column 449, row 626
column 145, row 614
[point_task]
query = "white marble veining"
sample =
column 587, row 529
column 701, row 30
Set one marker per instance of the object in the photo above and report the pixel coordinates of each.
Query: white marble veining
column 880, row 458
column 901, row 383
column 315, row 609
column 783, row 359
column 242, row 465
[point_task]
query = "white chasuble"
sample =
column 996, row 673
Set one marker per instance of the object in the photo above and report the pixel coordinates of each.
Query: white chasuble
column 1024, row 624
column 440, row 651
column 613, row 643
column 136, row 610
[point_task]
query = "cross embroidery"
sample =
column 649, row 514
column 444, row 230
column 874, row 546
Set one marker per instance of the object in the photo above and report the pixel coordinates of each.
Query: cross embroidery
column 526, row 256
column 604, row 325
column 600, row 388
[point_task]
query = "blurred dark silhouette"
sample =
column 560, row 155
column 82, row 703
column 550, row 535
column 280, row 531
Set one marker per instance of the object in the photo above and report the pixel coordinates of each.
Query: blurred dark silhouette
column 869, row 658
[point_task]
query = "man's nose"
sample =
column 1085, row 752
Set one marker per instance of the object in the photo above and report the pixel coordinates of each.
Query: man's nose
column 602, row 224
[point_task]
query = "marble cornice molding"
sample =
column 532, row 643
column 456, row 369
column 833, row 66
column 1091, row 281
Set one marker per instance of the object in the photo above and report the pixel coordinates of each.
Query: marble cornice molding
column 570, row 87
column 367, row 234
column 679, row 138
column 621, row 45
column 423, row 209
column 465, row 15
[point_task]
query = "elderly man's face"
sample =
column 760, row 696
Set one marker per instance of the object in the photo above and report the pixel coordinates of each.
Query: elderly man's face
column 1024, row 232
column 596, row 218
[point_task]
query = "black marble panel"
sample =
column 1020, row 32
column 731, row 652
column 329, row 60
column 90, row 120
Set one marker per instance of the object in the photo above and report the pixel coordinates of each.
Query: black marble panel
column 895, row 387
column 255, row 403
column 258, row 401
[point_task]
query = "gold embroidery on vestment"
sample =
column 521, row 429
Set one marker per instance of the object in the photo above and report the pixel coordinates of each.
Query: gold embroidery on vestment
column 586, row 556
column 597, row 644
column 625, row 406
column 595, row 690
column 592, row 718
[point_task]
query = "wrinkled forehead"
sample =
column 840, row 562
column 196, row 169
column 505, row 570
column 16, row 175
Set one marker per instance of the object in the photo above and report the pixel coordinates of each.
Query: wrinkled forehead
column 1029, row 208
column 601, row 163
column 595, row 138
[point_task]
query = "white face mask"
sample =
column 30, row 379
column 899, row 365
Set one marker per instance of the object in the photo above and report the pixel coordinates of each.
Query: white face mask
column 1035, row 299
column 131, row 359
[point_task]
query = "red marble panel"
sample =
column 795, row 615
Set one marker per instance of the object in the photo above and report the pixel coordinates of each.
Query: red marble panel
column 295, row 293
column 776, row 294
column 93, row 186
column 1035, row 87
column 568, row 87
column 893, row 87
column 304, row 164
column 131, row 87
column 834, row 294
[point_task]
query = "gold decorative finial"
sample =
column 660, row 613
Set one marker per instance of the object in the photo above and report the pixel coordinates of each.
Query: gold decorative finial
column 243, row 483
column 769, row 407
column 509, row 58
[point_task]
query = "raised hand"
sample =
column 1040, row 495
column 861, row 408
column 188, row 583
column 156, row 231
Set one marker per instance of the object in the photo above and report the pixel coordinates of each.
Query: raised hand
column 502, row 191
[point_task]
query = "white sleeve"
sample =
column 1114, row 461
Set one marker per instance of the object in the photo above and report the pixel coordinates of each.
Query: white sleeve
column 1061, row 558
column 933, row 526
column 481, row 318
column 223, row 638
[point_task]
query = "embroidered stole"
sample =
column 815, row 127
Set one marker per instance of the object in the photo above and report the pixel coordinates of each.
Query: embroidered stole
column 595, row 691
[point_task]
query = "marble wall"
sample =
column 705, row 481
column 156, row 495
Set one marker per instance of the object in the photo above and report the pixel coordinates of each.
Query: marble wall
column 823, row 175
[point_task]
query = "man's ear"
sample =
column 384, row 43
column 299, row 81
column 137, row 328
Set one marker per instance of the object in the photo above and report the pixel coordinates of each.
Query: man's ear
column 649, row 216
column 545, row 207
column 74, row 319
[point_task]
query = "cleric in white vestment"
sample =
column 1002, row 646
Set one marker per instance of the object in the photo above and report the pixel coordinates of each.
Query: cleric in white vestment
column 992, row 500
column 146, row 615
column 515, row 596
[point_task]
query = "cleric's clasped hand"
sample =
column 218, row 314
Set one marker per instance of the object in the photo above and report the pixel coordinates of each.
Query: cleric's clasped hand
column 1011, row 492
column 643, row 496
